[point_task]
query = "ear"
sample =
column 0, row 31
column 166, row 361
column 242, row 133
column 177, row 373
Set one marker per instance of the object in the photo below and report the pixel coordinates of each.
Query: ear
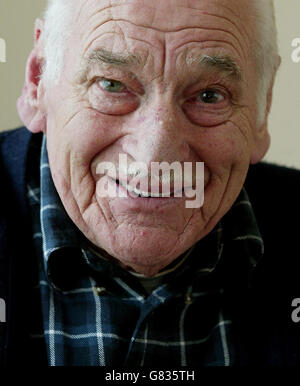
column 29, row 104
column 262, row 139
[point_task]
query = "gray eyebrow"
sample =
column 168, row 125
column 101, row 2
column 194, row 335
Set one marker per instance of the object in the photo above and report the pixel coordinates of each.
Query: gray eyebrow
column 101, row 55
column 222, row 63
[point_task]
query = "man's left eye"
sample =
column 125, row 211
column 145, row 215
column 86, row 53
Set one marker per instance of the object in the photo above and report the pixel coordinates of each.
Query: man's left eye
column 211, row 96
column 111, row 85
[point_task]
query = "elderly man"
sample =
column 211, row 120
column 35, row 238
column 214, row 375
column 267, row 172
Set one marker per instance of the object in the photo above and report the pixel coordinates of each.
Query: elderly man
column 144, row 279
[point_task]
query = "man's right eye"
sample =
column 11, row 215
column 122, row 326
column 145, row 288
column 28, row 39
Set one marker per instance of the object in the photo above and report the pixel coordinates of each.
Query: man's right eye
column 112, row 97
column 112, row 86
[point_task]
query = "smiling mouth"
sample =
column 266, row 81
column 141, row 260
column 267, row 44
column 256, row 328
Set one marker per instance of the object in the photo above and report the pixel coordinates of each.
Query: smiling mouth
column 140, row 193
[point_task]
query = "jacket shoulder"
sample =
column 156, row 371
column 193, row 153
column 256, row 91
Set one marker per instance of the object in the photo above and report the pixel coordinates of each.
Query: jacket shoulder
column 13, row 141
column 270, row 174
column 274, row 188
column 14, row 146
column 274, row 193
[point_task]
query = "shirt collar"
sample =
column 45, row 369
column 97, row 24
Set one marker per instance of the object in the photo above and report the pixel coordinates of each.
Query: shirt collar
column 240, row 227
column 243, row 246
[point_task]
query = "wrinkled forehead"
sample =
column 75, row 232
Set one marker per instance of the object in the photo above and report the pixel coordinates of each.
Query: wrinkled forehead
column 148, row 27
column 165, row 15
column 148, row 8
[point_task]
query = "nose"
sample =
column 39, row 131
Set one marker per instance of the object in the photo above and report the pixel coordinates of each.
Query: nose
column 159, row 136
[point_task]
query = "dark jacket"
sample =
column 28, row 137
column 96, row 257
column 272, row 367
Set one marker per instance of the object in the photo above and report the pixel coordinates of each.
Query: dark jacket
column 268, row 336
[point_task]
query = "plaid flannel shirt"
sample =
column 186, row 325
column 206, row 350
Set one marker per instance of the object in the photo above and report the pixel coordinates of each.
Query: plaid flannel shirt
column 89, row 311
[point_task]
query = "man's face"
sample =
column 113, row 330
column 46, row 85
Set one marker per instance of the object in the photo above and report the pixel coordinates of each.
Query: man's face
column 135, row 83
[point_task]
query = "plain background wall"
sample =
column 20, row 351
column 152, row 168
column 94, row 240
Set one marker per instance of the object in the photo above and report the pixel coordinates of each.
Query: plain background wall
column 16, row 28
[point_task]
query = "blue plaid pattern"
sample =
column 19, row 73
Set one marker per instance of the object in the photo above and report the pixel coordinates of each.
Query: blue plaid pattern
column 95, row 313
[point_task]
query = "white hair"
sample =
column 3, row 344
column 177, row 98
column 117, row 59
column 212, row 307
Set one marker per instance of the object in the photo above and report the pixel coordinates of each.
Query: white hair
column 58, row 17
column 265, row 47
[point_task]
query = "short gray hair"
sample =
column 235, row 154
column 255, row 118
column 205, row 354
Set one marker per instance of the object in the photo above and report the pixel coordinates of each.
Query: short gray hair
column 58, row 16
column 265, row 46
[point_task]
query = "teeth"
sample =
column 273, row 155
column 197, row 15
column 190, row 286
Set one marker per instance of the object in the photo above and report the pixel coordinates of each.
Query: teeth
column 141, row 193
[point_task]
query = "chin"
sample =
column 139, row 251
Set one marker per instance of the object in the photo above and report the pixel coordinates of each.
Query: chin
column 146, row 250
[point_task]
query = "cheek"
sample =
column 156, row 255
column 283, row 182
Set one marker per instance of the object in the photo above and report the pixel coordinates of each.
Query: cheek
column 84, row 134
column 221, row 147
column 91, row 132
column 73, row 142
